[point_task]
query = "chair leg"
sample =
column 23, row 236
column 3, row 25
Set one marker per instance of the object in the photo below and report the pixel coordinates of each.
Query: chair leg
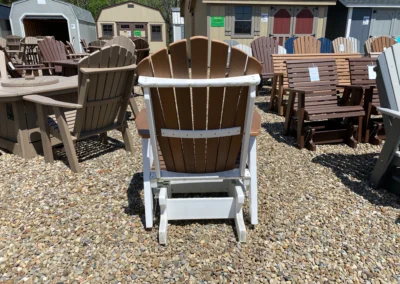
column 280, row 97
column 236, row 191
column 127, row 138
column 162, row 233
column 289, row 112
column 67, row 141
column 148, row 194
column 44, row 133
column 134, row 107
column 253, row 180
column 273, row 93
column 104, row 138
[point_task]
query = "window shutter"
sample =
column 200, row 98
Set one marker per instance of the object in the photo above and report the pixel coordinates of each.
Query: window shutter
column 256, row 19
column 228, row 20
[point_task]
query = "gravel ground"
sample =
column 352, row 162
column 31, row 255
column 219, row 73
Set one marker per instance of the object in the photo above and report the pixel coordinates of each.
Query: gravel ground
column 319, row 221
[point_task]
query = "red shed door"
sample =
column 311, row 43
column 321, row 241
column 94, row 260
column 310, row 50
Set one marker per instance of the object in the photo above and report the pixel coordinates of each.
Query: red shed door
column 281, row 23
column 304, row 21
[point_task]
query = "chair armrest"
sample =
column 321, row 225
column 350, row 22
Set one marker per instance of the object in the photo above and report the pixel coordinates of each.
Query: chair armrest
column 50, row 102
column 390, row 112
column 143, row 126
column 154, row 82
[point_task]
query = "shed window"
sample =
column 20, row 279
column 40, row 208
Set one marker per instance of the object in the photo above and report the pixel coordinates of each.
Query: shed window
column 243, row 15
column 139, row 26
column 124, row 26
column 108, row 30
column 156, row 34
column 130, row 5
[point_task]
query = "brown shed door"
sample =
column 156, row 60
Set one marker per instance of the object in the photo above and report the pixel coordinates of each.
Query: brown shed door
column 282, row 24
column 133, row 30
column 304, row 22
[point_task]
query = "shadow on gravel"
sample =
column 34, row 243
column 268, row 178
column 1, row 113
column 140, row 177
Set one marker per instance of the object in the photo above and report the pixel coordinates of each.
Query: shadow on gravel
column 264, row 105
column 89, row 149
column 135, row 202
column 354, row 171
column 275, row 129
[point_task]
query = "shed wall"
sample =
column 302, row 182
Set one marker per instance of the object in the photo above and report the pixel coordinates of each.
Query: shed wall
column 87, row 31
column 359, row 28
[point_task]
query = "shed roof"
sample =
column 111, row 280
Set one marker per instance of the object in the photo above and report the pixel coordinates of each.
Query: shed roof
column 126, row 2
column 371, row 3
column 4, row 11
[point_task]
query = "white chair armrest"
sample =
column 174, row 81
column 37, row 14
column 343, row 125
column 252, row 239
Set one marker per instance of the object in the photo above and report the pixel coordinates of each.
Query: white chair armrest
column 154, row 82
column 390, row 112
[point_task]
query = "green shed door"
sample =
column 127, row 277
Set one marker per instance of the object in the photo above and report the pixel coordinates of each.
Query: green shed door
column 382, row 22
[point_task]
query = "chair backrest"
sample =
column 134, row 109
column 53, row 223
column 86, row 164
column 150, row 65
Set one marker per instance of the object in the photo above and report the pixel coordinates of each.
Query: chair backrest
column 3, row 66
column 289, row 45
column 345, row 45
column 281, row 50
column 262, row 48
column 359, row 72
column 105, row 82
column 306, row 45
column 342, row 63
column 83, row 44
column 302, row 75
column 3, row 42
column 29, row 40
column 326, row 45
column 381, row 43
column 69, row 48
column 231, row 42
column 388, row 78
column 98, row 43
column 124, row 42
column 52, row 50
column 13, row 42
column 106, row 38
column 207, row 109
column 368, row 46
column 142, row 49
column 245, row 48
column 9, row 66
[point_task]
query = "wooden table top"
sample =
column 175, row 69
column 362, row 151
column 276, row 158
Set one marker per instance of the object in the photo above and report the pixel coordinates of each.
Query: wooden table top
column 64, row 85
column 68, row 63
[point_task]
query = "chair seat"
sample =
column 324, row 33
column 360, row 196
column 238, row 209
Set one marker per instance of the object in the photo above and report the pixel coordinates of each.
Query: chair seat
column 70, row 117
column 329, row 111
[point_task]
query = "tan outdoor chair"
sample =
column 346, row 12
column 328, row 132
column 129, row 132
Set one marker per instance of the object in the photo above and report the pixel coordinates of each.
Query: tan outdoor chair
column 197, row 132
column 105, row 83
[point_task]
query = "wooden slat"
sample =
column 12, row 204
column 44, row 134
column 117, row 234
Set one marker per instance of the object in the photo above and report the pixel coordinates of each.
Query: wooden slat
column 161, row 67
column 144, row 69
column 199, row 56
column 219, row 55
column 307, row 45
column 236, row 68
column 180, row 70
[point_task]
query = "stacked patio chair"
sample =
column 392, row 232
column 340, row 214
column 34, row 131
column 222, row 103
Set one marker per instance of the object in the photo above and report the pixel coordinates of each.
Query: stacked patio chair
column 386, row 172
column 194, row 150
column 313, row 114
column 105, row 84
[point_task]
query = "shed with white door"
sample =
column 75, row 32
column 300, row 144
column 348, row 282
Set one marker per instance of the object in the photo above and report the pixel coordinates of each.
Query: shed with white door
column 64, row 21
column 178, row 24
column 363, row 19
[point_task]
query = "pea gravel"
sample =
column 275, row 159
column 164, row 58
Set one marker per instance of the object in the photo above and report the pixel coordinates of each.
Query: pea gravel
column 319, row 221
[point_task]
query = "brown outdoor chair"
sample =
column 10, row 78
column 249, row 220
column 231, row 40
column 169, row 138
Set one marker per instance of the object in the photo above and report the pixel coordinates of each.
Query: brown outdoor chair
column 142, row 49
column 306, row 45
column 381, row 43
column 262, row 48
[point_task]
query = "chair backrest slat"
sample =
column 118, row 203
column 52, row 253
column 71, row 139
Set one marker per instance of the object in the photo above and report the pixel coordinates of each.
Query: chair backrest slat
column 359, row 71
column 368, row 46
column 245, row 48
column 263, row 48
column 381, row 43
column 326, row 45
column 306, row 45
column 289, row 45
column 345, row 45
column 124, row 42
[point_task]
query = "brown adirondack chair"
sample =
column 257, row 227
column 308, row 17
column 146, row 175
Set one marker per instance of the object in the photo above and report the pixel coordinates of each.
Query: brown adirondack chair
column 142, row 49
column 315, row 116
column 306, row 45
column 364, row 87
column 262, row 48
column 381, row 43
column 204, row 146
column 96, row 45
column 54, row 50
column 129, row 45
column 84, row 45
column 368, row 45
column 105, row 83
column 29, row 51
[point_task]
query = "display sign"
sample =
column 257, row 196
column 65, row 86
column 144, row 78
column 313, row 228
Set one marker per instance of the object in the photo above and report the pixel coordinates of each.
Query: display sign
column 371, row 72
column 136, row 33
column 41, row 2
column 314, row 74
column 341, row 47
column 73, row 27
column 217, row 21
column 366, row 21
column 264, row 18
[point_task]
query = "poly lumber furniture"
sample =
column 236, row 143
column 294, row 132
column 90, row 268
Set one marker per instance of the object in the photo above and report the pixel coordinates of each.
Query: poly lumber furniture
column 96, row 45
column 313, row 113
column 289, row 45
column 367, row 45
column 142, row 49
column 13, row 43
column 69, row 67
column 386, row 171
column 129, row 45
column 203, row 148
column 381, row 43
column 363, row 85
column 306, row 45
column 53, row 50
column 262, row 48
column 280, row 80
column 105, row 83
column 345, row 45
column 326, row 45
column 84, row 45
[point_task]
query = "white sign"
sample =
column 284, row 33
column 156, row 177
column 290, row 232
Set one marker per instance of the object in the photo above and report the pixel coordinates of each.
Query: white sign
column 314, row 74
column 73, row 27
column 41, row 2
column 11, row 65
column 366, row 21
column 341, row 47
column 371, row 72
column 129, row 33
column 264, row 18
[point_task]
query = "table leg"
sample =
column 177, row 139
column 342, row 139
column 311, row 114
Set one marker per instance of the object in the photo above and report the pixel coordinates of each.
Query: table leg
column 22, row 130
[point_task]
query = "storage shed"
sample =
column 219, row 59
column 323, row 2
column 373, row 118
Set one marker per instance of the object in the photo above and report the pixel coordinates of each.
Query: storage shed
column 245, row 20
column 133, row 20
column 362, row 19
column 177, row 24
column 64, row 21
column 5, row 28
